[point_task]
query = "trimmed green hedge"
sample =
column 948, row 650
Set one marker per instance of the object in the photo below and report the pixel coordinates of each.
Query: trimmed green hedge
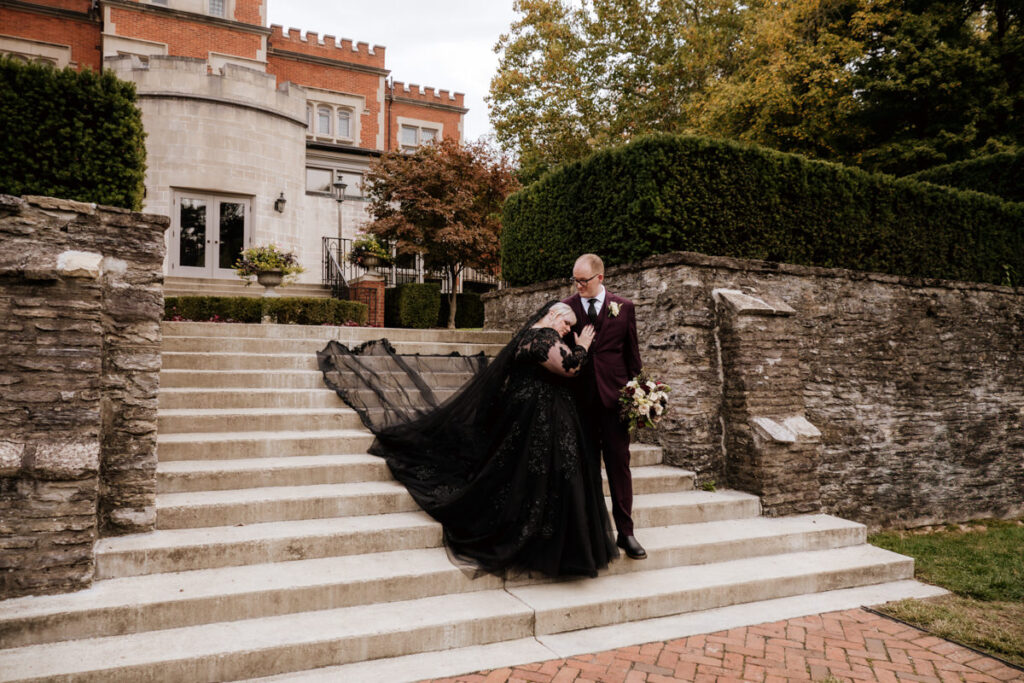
column 285, row 310
column 469, row 310
column 667, row 193
column 412, row 304
column 1001, row 175
column 69, row 134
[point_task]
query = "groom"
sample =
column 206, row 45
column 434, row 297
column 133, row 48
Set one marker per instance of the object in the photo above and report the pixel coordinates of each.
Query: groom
column 614, row 360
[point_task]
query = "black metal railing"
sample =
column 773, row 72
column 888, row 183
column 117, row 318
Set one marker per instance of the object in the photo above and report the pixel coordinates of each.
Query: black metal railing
column 406, row 268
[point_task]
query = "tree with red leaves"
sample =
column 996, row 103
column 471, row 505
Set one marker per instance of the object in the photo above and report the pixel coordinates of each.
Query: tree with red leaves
column 442, row 201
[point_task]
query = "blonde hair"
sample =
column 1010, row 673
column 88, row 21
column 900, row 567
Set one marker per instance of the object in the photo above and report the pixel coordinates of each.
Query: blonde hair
column 561, row 310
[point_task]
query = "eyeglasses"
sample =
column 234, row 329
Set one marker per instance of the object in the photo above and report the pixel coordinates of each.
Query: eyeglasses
column 581, row 283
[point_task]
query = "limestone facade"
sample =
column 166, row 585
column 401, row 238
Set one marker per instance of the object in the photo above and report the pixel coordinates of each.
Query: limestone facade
column 888, row 400
column 240, row 115
column 81, row 300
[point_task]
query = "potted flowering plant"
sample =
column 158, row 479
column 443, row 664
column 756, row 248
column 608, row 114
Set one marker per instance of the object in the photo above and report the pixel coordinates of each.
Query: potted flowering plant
column 270, row 265
column 369, row 253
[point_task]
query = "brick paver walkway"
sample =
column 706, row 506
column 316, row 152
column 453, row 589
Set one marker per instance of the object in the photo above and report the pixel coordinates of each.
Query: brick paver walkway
column 854, row 645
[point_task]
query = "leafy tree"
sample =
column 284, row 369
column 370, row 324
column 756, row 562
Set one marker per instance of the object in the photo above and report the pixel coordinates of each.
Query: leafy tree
column 890, row 85
column 444, row 202
column 574, row 76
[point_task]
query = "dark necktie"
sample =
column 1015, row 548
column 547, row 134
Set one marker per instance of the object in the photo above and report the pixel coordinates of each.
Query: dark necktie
column 592, row 311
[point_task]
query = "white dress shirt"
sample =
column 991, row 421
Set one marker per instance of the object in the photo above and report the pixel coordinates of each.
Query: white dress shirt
column 597, row 304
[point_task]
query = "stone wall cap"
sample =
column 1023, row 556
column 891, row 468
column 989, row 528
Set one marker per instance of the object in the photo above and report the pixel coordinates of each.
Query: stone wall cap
column 767, row 428
column 746, row 304
column 803, row 429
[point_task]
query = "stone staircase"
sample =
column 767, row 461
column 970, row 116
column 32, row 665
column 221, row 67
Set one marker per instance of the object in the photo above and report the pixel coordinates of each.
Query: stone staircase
column 283, row 549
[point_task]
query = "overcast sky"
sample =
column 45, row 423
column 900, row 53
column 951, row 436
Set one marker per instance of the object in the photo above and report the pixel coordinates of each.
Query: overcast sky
column 447, row 44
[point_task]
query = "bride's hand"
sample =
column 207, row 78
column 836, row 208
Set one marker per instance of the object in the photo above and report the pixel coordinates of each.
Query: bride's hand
column 585, row 337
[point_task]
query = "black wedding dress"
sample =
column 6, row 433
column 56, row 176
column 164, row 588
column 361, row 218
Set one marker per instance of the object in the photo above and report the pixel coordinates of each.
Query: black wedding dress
column 504, row 464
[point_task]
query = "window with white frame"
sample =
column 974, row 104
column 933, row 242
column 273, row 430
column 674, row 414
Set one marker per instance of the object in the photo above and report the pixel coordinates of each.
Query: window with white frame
column 217, row 8
column 410, row 137
column 331, row 122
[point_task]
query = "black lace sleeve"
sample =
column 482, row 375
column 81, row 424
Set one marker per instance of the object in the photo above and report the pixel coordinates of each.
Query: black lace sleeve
column 543, row 346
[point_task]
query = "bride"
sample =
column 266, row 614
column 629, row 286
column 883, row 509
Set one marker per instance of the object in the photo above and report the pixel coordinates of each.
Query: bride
column 504, row 465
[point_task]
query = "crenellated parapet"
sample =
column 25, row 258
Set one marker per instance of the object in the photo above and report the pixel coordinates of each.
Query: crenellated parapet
column 427, row 95
column 191, row 79
column 326, row 47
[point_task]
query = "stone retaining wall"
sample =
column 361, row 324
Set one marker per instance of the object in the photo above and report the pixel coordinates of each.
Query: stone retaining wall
column 80, row 305
column 888, row 400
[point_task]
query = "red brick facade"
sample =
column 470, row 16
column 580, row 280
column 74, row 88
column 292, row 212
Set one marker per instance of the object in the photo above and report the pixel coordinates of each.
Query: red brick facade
column 74, row 26
column 185, row 37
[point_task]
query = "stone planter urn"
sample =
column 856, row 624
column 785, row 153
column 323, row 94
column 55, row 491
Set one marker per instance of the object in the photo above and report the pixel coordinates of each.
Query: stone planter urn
column 371, row 262
column 270, row 279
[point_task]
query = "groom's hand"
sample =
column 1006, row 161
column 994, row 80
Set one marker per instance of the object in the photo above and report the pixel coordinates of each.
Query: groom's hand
column 585, row 337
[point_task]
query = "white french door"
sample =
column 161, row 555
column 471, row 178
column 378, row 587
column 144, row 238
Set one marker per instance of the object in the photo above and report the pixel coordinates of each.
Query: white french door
column 208, row 233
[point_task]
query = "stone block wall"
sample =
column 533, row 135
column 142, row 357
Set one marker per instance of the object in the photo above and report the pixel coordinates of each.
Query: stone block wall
column 80, row 303
column 892, row 401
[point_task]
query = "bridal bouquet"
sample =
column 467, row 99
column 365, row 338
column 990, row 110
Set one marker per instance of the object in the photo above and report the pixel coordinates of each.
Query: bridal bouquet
column 643, row 401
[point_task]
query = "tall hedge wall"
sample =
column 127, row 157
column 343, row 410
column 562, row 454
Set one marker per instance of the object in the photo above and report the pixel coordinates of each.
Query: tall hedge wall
column 69, row 134
column 998, row 174
column 667, row 193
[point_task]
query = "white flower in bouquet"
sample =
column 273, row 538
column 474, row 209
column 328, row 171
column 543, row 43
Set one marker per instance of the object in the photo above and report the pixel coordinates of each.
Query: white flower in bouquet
column 643, row 401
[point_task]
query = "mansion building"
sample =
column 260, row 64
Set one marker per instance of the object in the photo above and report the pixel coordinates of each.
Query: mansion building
column 254, row 135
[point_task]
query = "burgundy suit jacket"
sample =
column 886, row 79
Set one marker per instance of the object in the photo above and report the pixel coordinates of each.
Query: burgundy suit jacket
column 614, row 356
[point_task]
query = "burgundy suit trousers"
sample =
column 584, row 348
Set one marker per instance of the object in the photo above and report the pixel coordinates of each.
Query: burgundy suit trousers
column 611, row 435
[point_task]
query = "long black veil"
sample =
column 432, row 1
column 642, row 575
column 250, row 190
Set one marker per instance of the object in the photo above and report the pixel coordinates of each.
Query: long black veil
column 424, row 441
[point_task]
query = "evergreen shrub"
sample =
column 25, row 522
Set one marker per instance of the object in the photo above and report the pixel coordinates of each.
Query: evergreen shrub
column 1001, row 175
column 70, row 134
column 416, row 304
column 667, row 193
column 469, row 310
column 285, row 310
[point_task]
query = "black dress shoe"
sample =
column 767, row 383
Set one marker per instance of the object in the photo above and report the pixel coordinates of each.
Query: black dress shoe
column 633, row 549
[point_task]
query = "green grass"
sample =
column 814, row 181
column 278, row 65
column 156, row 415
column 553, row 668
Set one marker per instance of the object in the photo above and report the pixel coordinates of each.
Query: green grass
column 982, row 564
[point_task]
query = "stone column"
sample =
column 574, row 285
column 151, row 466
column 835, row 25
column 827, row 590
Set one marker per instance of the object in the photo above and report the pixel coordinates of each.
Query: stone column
column 80, row 307
column 771, row 449
column 369, row 289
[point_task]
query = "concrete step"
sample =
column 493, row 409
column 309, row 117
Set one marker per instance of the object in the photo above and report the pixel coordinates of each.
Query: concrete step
column 231, row 445
column 561, row 607
column 347, row 335
column 176, row 360
column 178, row 550
column 459, row 661
column 143, row 603
column 221, row 475
column 253, row 647
column 194, row 286
column 163, row 601
column 178, row 344
column 240, row 379
column 269, row 379
column 689, row 507
column 656, row 479
column 177, row 398
column 291, row 642
column 280, row 503
column 197, row 420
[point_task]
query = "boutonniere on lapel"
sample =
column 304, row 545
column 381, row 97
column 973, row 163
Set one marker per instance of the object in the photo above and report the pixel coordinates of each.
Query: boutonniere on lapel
column 613, row 309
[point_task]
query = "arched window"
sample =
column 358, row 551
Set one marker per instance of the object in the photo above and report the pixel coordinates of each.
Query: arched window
column 323, row 120
column 344, row 123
